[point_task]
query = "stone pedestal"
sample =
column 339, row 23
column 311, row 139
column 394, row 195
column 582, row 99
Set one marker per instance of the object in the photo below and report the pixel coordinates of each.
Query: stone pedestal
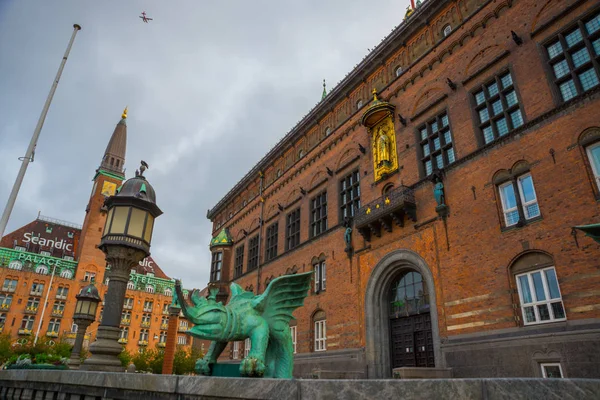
column 422, row 373
column 75, row 359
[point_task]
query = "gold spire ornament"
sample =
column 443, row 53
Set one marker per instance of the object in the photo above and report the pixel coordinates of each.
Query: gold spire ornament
column 124, row 115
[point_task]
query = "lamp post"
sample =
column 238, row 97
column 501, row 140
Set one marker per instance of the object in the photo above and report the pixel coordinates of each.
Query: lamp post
column 85, row 314
column 125, row 242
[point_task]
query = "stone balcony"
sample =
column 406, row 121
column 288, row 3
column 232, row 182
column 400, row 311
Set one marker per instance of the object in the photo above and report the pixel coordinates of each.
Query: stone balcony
column 384, row 212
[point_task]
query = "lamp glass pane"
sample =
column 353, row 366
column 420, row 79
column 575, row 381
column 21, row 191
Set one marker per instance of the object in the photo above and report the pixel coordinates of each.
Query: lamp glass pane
column 119, row 220
column 78, row 307
column 107, row 223
column 149, row 226
column 85, row 307
column 136, row 222
column 93, row 307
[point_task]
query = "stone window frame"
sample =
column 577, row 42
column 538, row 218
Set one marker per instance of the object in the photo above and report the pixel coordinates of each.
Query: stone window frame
column 427, row 151
column 272, row 235
column 318, row 214
column 446, row 30
column 489, row 100
column 551, row 364
column 591, row 42
column 502, row 179
column 238, row 268
column 319, row 329
column 216, row 266
column 349, row 190
column 253, row 252
column 292, row 229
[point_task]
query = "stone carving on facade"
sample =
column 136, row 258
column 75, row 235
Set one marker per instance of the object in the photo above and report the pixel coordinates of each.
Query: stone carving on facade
column 264, row 319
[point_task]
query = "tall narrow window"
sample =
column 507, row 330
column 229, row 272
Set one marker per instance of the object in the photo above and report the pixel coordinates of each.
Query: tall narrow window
column 593, row 153
column 239, row 261
column 320, row 331
column 540, row 297
column 271, row 247
column 497, row 107
column 292, row 229
column 320, row 276
column 235, row 354
column 519, row 201
column 318, row 214
column 247, row 347
column 215, row 266
column 574, row 57
column 436, row 146
column 350, row 194
column 294, row 334
column 253, row 253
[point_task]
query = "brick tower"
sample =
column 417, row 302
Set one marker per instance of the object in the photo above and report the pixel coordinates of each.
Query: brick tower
column 107, row 179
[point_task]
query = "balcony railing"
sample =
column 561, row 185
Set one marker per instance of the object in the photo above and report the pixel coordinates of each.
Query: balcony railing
column 164, row 327
column 57, row 313
column 161, row 344
column 384, row 212
column 31, row 310
column 24, row 331
column 5, row 306
column 143, row 343
column 125, row 321
column 52, row 334
column 145, row 324
column 123, row 340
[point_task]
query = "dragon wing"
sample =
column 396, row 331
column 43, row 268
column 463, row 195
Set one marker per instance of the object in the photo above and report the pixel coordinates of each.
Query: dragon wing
column 281, row 298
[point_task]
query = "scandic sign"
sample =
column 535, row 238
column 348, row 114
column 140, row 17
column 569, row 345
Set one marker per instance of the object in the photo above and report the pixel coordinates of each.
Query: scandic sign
column 59, row 244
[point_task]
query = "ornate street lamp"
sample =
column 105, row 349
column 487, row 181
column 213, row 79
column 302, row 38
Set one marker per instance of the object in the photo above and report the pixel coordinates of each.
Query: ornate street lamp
column 85, row 314
column 125, row 242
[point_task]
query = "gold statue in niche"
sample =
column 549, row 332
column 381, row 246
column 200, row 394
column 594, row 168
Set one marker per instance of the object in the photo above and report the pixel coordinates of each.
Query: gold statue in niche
column 379, row 121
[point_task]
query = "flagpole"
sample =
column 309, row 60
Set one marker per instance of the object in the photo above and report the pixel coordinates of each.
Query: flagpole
column 36, row 134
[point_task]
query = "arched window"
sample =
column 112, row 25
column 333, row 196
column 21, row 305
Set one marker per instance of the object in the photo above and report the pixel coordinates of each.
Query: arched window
column 320, row 330
column 409, row 295
column 168, row 292
column 537, row 284
column 301, row 154
column 589, row 141
column 15, row 264
column 149, row 289
column 399, row 71
column 447, row 30
column 41, row 269
column 130, row 285
column 327, row 131
column 66, row 273
column 359, row 104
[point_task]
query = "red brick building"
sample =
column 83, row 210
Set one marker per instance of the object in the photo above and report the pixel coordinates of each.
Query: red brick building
column 461, row 182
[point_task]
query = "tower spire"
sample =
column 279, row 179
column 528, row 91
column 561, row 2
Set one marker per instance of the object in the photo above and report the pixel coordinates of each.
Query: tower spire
column 324, row 91
column 114, row 156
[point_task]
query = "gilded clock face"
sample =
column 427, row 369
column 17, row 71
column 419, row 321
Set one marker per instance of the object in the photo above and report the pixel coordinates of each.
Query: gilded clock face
column 108, row 188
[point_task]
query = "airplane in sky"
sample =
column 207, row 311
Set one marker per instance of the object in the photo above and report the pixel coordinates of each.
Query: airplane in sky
column 144, row 18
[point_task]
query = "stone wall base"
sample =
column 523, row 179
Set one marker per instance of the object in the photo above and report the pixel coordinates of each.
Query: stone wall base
column 422, row 373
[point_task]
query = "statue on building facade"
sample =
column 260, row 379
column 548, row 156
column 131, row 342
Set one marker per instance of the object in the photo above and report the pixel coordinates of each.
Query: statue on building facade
column 264, row 319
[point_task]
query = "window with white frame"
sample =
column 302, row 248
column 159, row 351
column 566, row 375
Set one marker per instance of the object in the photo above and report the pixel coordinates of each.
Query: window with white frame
column 247, row 347
column 54, row 325
column 293, row 332
column 27, row 322
column 146, row 319
column 235, row 354
column 130, row 285
column 163, row 337
column 61, row 292
column 37, row 289
column 182, row 339
column 41, row 269
column 320, row 275
column 320, row 335
column 66, row 273
column 148, row 305
column 399, row 71
column 144, row 335
column 74, row 327
column 149, row 289
column 128, row 303
column 89, row 277
column 68, row 258
column 20, row 248
column 45, row 253
column 168, row 292
column 124, row 333
column 15, row 264
column 519, row 201
column 5, row 300
column 551, row 370
column 447, row 30
column 540, row 297
column 593, row 153
column 10, row 285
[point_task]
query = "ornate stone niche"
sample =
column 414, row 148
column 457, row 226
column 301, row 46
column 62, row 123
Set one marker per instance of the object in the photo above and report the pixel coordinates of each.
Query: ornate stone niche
column 379, row 121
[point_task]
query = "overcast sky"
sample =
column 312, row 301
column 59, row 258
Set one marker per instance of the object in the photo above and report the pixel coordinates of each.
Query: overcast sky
column 211, row 86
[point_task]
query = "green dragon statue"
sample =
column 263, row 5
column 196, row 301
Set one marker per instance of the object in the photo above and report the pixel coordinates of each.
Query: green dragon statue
column 263, row 318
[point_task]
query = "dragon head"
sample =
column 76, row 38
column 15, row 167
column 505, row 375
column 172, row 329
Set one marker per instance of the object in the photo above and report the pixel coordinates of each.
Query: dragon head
column 208, row 315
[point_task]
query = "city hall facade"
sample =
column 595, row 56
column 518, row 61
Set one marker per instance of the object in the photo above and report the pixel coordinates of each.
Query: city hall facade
column 434, row 194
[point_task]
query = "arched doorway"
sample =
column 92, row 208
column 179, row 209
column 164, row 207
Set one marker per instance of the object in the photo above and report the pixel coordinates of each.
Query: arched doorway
column 411, row 339
column 380, row 313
